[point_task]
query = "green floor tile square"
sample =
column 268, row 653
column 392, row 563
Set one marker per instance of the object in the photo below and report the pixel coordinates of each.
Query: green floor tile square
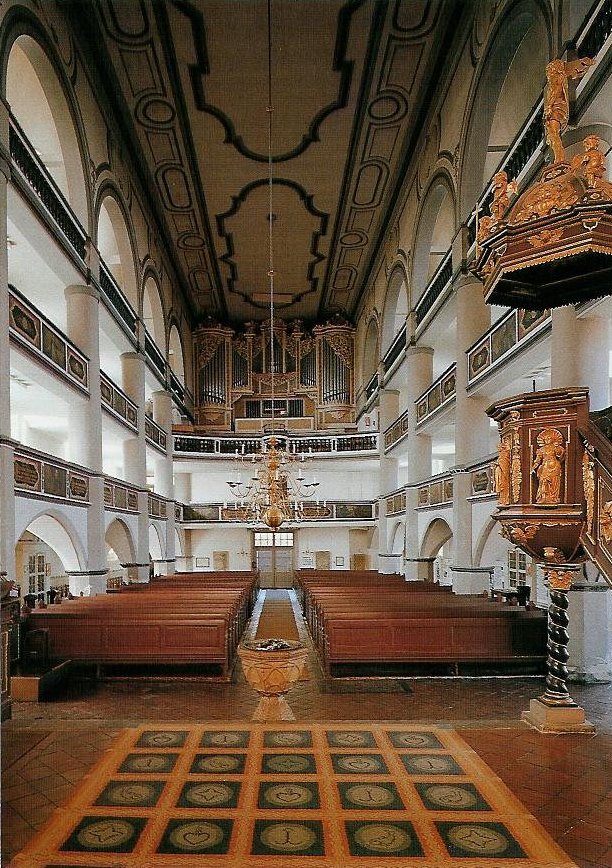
column 209, row 794
column 161, row 738
column 350, row 738
column 105, row 835
column 218, row 764
column 384, row 838
column 288, row 738
column 359, row 764
column 196, row 836
column 369, row 796
column 484, row 840
column 451, row 797
column 291, row 838
column 288, row 764
column 288, row 794
column 414, row 739
column 149, row 763
column 225, row 738
column 430, row 764
column 125, row 794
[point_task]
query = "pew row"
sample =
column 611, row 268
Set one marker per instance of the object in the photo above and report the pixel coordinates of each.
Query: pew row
column 169, row 625
column 368, row 625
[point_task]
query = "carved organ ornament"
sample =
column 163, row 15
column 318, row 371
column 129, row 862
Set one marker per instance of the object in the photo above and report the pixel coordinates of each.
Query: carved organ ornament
column 552, row 245
column 310, row 373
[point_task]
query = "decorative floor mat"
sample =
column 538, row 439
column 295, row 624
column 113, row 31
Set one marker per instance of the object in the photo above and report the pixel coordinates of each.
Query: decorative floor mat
column 279, row 795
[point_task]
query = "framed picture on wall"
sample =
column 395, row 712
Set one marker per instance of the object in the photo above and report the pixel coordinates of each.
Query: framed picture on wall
column 202, row 562
column 339, row 562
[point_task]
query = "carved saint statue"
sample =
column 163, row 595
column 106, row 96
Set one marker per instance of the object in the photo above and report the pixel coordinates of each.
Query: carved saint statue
column 502, row 471
column 548, row 465
column 556, row 100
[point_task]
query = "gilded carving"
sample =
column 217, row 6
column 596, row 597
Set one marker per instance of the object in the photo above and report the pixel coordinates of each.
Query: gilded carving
column 503, row 191
column 559, row 580
column 546, row 236
column 502, row 471
column 207, row 346
column 556, row 99
column 588, row 482
column 548, row 465
column 519, row 534
column 516, row 474
column 605, row 522
column 342, row 345
column 553, row 555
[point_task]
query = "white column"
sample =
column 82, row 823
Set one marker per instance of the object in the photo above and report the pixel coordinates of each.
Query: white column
column 472, row 433
column 135, row 460
column 7, row 489
column 162, row 414
column 419, row 374
column 590, row 631
column 182, row 487
column 563, row 367
column 85, row 431
column 388, row 409
column 592, row 347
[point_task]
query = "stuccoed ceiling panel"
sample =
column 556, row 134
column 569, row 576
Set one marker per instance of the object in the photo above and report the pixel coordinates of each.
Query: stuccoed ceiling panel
column 350, row 79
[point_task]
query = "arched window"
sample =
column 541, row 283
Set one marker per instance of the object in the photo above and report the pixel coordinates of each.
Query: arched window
column 153, row 314
column 436, row 229
column 175, row 353
column 396, row 309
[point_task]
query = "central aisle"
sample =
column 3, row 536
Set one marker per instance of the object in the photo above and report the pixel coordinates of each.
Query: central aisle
column 277, row 619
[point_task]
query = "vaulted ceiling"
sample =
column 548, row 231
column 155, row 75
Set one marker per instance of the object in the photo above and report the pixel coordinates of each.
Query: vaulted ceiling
column 351, row 82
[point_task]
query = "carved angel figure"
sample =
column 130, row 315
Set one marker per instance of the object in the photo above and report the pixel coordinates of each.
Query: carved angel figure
column 591, row 164
column 503, row 190
column 548, row 465
column 556, row 100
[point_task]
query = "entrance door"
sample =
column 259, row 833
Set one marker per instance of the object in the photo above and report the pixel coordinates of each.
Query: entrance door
column 274, row 558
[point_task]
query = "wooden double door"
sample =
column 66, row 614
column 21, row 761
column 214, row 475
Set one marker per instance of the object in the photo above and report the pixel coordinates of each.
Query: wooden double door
column 275, row 565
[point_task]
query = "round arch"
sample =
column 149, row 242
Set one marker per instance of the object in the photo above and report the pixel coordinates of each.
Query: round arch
column 371, row 353
column 436, row 536
column 57, row 532
column 396, row 308
column 119, row 538
column 39, row 96
column 156, row 545
column 510, row 79
column 397, row 539
column 435, row 232
column 114, row 239
column 483, row 541
column 153, row 313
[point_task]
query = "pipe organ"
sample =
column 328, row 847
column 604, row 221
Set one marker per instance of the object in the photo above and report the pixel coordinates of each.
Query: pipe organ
column 305, row 378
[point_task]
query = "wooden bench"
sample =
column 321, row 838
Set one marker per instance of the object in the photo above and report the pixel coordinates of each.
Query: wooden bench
column 365, row 623
column 170, row 623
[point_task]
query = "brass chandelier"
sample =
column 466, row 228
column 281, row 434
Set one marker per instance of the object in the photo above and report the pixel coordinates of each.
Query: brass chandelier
column 274, row 492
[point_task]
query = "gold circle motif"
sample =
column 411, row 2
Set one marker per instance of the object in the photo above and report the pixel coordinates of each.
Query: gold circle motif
column 224, row 738
column 409, row 739
column 162, row 739
column 148, row 763
column 360, row 763
column 350, row 739
column 288, row 837
column 287, row 738
column 430, row 763
column 196, row 836
column 382, row 838
column 209, row 794
column 287, row 763
column 288, row 795
column 478, row 839
column 369, row 795
column 105, row 834
column 131, row 794
column 219, row 763
column 448, row 796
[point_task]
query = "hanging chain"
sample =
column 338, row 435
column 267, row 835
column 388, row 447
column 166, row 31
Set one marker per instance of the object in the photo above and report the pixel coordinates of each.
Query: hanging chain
column 270, row 212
